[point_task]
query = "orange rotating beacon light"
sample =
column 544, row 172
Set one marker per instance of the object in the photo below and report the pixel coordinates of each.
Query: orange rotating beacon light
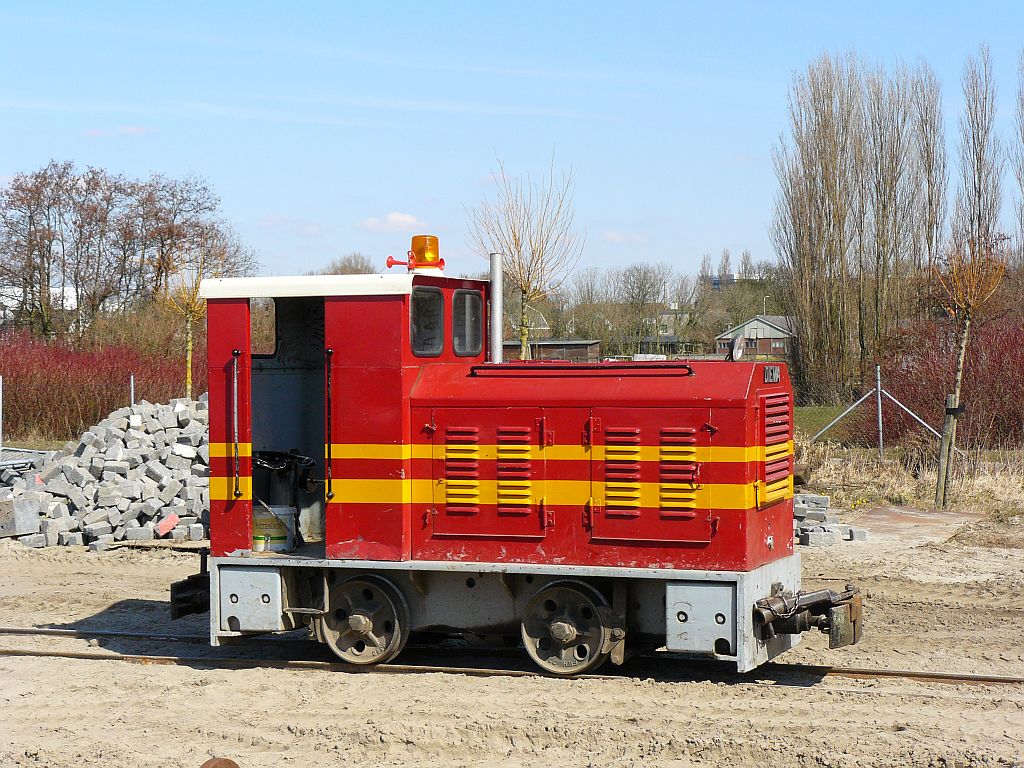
column 424, row 254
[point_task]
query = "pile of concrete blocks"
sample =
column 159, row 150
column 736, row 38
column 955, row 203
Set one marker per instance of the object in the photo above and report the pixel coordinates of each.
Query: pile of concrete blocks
column 816, row 525
column 17, row 462
column 142, row 473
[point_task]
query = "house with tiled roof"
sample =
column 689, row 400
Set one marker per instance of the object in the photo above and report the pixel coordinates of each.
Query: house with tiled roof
column 770, row 335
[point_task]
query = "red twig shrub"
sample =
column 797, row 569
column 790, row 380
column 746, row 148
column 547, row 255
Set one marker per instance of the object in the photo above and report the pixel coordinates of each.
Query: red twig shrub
column 920, row 372
column 55, row 391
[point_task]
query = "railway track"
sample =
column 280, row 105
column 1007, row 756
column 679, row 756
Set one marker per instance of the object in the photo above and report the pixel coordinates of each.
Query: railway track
column 777, row 672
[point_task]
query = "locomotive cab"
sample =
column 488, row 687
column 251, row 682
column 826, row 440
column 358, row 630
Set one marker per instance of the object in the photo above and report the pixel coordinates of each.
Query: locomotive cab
column 379, row 473
column 346, row 350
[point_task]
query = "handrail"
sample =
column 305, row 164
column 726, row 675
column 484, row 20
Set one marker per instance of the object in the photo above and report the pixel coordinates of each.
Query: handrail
column 235, row 353
column 330, row 419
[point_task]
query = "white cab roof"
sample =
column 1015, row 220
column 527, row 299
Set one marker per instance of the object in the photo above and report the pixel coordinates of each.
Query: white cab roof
column 305, row 285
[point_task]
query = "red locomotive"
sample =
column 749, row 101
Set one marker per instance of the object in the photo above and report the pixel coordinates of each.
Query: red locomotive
column 590, row 509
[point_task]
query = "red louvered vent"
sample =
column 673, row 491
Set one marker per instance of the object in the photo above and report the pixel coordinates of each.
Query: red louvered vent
column 677, row 491
column 622, row 471
column 462, row 470
column 515, row 470
column 778, row 458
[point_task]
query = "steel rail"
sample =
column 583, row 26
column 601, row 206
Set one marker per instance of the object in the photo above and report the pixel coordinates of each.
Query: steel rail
column 257, row 663
column 955, row 678
column 85, row 634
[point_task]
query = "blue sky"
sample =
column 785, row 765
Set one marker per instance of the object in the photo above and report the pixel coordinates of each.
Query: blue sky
column 333, row 127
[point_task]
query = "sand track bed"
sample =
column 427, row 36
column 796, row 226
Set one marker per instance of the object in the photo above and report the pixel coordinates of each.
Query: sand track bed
column 940, row 608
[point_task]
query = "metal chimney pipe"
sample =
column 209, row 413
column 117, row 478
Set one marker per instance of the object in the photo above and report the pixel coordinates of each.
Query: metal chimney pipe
column 497, row 333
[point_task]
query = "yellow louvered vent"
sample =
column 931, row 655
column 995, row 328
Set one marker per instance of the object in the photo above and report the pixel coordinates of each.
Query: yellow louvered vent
column 677, row 489
column 778, row 459
column 622, row 470
column 462, row 470
column 514, row 471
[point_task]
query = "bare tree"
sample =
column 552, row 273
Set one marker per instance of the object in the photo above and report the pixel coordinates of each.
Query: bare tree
column 747, row 270
column 350, row 264
column 76, row 245
column 979, row 197
column 589, row 306
column 815, row 222
column 930, row 138
column 1018, row 164
column 180, row 209
column 724, row 266
column 530, row 222
column 891, row 193
column 33, row 209
column 641, row 293
column 976, row 259
column 706, row 272
column 859, row 214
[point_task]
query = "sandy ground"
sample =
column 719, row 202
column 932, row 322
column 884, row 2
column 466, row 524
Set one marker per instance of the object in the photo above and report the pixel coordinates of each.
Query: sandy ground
column 930, row 604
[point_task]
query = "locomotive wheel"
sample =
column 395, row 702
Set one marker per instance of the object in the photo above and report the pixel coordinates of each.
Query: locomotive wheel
column 564, row 628
column 367, row 621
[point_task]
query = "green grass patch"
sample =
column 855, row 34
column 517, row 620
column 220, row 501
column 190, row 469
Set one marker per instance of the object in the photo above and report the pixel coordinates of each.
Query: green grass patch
column 811, row 418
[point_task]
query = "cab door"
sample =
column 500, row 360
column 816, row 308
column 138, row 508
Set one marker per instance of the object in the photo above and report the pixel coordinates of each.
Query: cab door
column 368, row 490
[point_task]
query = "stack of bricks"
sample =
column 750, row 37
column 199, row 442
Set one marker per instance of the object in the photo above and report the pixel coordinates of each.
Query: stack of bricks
column 140, row 474
column 816, row 525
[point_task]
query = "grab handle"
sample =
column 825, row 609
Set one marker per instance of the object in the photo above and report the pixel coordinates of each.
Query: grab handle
column 330, row 420
column 235, row 353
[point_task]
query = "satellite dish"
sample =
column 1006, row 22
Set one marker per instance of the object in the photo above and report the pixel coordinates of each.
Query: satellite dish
column 736, row 348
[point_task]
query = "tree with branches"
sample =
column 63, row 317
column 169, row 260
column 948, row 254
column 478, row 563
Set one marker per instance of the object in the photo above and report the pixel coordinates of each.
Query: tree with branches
column 530, row 222
column 1018, row 165
column 354, row 263
column 212, row 251
column 976, row 258
column 979, row 197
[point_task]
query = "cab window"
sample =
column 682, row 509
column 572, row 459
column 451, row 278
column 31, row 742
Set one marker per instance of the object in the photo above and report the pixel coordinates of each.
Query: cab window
column 427, row 322
column 467, row 323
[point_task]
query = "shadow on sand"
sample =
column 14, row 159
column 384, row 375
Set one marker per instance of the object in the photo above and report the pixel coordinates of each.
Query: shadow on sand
column 189, row 637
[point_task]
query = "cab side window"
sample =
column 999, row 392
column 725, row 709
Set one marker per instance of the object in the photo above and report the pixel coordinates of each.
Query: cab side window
column 427, row 322
column 467, row 323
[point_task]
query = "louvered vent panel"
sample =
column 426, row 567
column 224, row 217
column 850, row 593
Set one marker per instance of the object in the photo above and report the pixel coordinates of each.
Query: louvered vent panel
column 622, row 470
column 677, row 490
column 778, row 461
column 514, row 471
column 462, row 470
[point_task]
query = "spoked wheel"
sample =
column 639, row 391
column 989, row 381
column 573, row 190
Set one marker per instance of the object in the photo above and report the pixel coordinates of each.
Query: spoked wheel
column 367, row 621
column 564, row 628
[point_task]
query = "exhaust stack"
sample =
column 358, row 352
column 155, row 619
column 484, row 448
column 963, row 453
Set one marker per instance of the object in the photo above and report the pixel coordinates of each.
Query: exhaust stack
column 497, row 332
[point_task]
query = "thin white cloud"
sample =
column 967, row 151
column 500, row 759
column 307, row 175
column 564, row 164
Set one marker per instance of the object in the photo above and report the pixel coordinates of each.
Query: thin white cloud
column 624, row 238
column 393, row 222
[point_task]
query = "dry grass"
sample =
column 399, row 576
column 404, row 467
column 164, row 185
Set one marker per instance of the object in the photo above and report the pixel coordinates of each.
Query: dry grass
column 35, row 442
column 990, row 481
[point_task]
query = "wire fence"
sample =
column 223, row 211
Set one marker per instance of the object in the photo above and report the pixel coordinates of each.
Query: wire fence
column 876, row 399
